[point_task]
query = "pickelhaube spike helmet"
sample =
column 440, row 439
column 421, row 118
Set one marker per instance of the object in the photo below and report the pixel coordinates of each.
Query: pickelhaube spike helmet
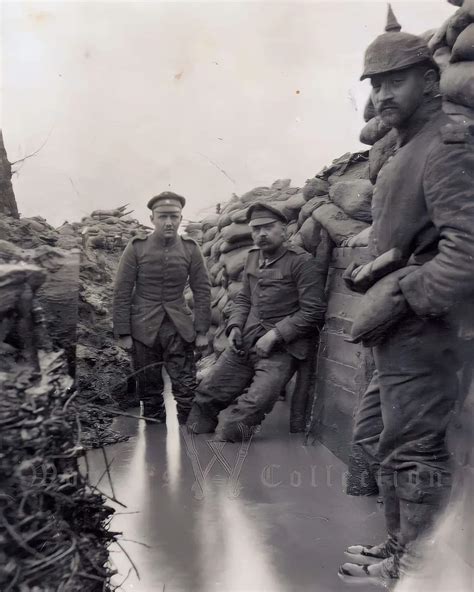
column 395, row 50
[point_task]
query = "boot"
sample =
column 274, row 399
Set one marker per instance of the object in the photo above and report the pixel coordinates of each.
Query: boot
column 384, row 573
column 368, row 554
column 200, row 422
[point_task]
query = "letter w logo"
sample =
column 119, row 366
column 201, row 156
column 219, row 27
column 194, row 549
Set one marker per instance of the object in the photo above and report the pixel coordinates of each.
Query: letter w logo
column 233, row 471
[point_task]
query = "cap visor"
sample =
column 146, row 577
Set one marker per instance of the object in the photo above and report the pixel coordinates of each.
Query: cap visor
column 262, row 221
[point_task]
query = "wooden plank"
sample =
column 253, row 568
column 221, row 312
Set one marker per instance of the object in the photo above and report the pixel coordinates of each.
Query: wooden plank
column 340, row 374
column 344, row 306
column 335, row 348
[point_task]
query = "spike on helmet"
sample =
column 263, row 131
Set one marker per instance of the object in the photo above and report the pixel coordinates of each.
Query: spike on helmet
column 394, row 50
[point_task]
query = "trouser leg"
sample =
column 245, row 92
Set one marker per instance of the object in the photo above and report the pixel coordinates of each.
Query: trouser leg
column 229, row 377
column 368, row 425
column 148, row 363
column 269, row 376
column 178, row 357
column 417, row 368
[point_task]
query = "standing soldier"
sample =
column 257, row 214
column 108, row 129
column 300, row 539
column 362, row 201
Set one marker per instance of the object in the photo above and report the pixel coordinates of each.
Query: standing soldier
column 150, row 313
column 423, row 209
column 280, row 304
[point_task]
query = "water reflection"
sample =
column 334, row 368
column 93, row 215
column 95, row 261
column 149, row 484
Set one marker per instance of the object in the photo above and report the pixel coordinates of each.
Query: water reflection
column 201, row 537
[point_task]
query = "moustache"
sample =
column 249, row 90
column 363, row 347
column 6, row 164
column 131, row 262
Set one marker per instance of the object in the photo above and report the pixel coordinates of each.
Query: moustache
column 386, row 106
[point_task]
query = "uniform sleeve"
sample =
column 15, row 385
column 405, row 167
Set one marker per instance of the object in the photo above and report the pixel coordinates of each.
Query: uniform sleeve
column 123, row 290
column 201, row 289
column 241, row 308
column 312, row 303
column 438, row 285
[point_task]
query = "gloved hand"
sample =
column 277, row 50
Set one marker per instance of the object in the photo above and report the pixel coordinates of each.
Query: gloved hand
column 380, row 309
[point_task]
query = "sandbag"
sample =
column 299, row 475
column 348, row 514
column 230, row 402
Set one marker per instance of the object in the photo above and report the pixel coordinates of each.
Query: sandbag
column 234, row 290
column 281, row 184
column 226, row 246
column 309, row 208
column 193, row 227
column 215, row 315
column 234, row 262
column 215, row 269
column 210, row 234
column 373, row 131
column 206, row 248
column 457, row 23
column 291, row 229
column 223, row 301
column 463, row 49
column 380, row 153
column 310, row 234
column 442, row 57
column 236, row 232
column 315, row 187
column 221, row 278
column 255, row 194
column 356, row 168
column 337, row 223
column 224, row 220
column 292, row 206
column 354, row 198
column 209, row 222
column 216, row 247
column 468, row 6
column 439, row 38
column 457, row 83
column 239, row 216
column 216, row 293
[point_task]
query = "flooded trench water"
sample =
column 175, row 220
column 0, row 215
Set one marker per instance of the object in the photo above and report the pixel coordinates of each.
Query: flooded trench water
column 207, row 517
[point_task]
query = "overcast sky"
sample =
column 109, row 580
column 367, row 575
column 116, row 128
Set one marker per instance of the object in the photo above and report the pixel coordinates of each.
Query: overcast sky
column 203, row 98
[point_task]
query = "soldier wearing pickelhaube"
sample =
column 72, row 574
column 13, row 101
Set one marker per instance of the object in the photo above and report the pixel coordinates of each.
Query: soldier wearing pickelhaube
column 149, row 310
column 423, row 209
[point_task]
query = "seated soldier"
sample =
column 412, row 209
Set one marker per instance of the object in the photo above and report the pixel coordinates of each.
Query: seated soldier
column 280, row 304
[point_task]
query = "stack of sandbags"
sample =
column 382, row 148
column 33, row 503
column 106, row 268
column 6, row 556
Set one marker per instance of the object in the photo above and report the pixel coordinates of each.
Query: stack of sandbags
column 109, row 230
column 453, row 50
column 338, row 199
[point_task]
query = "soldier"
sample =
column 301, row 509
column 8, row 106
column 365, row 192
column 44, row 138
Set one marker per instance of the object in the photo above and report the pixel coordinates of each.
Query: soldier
column 279, row 305
column 423, row 209
column 150, row 313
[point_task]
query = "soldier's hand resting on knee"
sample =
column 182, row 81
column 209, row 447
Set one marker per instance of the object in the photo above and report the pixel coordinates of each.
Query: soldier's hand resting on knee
column 235, row 339
column 125, row 341
column 265, row 344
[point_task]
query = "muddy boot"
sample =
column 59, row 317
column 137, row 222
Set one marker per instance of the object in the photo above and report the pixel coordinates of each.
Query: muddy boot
column 368, row 554
column 385, row 573
column 199, row 421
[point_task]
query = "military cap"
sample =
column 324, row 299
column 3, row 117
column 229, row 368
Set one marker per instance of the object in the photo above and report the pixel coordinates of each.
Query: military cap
column 167, row 198
column 395, row 50
column 261, row 213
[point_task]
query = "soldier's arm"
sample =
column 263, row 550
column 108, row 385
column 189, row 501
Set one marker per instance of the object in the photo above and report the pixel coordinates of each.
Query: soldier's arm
column 201, row 289
column 123, row 289
column 241, row 308
column 437, row 286
column 312, row 300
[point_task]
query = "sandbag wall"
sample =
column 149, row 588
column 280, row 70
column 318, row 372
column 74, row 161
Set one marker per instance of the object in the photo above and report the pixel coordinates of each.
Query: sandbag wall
column 333, row 207
column 453, row 50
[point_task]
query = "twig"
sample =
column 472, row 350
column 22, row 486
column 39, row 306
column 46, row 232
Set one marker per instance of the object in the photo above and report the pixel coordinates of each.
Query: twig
column 35, row 152
column 137, row 542
column 124, row 580
column 130, row 559
column 117, row 412
column 69, row 401
column 107, row 465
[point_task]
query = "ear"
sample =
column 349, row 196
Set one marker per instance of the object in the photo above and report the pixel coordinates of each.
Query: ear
column 431, row 81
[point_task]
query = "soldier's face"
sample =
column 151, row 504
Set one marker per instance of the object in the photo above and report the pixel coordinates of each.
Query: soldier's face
column 166, row 223
column 397, row 95
column 269, row 237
